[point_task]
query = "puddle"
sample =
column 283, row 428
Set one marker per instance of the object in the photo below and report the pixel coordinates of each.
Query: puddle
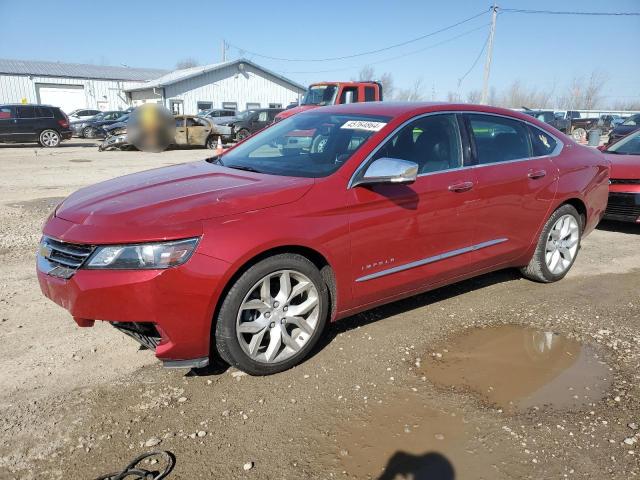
column 42, row 206
column 518, row 368
column 406, row 438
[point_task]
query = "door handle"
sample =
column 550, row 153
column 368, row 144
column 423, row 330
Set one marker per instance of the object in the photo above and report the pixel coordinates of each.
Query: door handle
column 534, row 174
column 461, row 187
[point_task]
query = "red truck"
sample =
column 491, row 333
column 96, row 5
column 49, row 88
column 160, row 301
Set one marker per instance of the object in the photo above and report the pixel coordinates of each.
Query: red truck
column 335, row 93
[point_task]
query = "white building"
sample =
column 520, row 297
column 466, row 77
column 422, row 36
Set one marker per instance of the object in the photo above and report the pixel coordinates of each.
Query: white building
column 69, row 85
column 237, row 84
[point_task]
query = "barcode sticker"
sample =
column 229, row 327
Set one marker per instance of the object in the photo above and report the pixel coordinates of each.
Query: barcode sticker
column 364, row 125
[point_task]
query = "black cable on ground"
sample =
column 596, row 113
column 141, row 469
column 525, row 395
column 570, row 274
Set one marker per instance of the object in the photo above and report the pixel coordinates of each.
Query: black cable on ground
column 134, row 471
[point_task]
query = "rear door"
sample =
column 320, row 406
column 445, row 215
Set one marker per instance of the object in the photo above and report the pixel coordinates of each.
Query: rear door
column 26, row 126
column 515, row 187
column 198, row 130
column 181, row 131
column 406, row 237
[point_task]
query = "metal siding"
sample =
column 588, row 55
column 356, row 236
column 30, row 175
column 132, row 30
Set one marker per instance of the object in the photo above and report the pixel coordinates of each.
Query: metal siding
column 231, row 85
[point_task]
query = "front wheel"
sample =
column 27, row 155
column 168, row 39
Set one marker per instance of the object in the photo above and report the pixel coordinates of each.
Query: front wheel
column 49, row 138
column 557, row 246
column 273, row 315
column 212, row 143
column 579, row 134
column 242, row 134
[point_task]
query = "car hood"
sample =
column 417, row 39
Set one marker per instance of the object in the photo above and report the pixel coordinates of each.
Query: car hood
column 624, row 166
column 622, row 130
column 179, row 194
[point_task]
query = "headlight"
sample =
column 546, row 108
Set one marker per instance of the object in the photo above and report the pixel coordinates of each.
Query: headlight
column 143, row 255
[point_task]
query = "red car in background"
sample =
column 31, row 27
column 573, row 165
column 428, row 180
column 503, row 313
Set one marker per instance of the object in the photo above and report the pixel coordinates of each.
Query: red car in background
column 624, row 188
column 248, row 255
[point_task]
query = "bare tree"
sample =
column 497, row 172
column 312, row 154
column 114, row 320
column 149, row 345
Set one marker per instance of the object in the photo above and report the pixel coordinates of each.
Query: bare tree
column 411, row 94
column 454, row 97
column 584, row 93
column 187, row 63
column 474, row 96
column 388, row 89
column 366, row 73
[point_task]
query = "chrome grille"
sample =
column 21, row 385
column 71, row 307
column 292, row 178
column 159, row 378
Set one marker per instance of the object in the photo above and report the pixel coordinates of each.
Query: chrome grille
column 61, row 259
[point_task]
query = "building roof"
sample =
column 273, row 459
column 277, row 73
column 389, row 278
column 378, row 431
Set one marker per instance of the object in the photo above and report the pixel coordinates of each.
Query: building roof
column 184, row 74
column 77, row 70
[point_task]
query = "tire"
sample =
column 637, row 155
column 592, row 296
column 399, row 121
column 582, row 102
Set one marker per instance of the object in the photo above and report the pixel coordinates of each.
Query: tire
column 579, row 133
column 49, row 138
column 212, row 143
column 252, row 339
column 242, row 134
column 552, row 259
column 88, row 132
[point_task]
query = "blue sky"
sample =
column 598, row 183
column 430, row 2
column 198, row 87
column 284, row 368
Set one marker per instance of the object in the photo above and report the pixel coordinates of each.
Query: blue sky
column 542, row 51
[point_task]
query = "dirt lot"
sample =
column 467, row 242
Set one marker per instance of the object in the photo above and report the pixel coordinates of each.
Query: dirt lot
column 398, row 392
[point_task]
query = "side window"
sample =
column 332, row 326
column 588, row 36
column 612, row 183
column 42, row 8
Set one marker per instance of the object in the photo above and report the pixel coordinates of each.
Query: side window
column 433, row 142
column 44, row 112
column 343, row 95
column 541, row 143
column 196, row 122
column 272, row 114
column 5, row 113
column 179, row 122
column 369, row 94
column 499, row 139
column 227, row 113
column 263, row 117
column 26, row 112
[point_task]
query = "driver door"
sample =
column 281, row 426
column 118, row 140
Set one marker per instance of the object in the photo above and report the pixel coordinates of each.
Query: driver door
column 406, row 237
column 197, row 131
column 181, row 131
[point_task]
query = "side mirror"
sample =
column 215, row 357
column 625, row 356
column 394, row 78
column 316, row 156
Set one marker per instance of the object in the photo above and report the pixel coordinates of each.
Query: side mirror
column 348, row 96
column 389, row 170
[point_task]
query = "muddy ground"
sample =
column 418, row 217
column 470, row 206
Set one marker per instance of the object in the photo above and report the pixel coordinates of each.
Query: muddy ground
column 392, row 393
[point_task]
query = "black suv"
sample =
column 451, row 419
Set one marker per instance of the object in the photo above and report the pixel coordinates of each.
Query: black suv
column 250, row 121
column 44, row 124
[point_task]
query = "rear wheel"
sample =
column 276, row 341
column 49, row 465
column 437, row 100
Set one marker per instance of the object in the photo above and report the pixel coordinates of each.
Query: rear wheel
column 273, row 315
column 88, row 132
column 212, row 143
column 49, row 138
column 557, row 246
column 579, row 133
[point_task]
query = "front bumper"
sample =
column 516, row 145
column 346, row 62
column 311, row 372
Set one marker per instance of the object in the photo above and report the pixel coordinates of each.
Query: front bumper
column 177, row 302
column 624, row 207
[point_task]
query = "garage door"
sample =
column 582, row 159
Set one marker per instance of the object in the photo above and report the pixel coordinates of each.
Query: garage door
column 67, row 97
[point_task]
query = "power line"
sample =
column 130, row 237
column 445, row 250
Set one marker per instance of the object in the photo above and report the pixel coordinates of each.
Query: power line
column 555, row 12
column 413, row 40
column 396, row 57
column 475, row 62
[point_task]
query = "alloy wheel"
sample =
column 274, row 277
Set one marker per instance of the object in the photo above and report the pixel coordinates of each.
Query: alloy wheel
column 562, row 244
column 50, row 138
column 278, row 316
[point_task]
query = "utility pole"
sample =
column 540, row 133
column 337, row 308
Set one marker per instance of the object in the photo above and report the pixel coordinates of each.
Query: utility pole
column 224, row 51
column 487, row 63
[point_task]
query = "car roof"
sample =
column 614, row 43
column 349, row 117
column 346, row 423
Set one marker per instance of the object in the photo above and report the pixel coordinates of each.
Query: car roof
column 27, row 105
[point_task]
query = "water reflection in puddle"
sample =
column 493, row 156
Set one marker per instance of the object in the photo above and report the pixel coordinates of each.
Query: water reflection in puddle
column 519, row 368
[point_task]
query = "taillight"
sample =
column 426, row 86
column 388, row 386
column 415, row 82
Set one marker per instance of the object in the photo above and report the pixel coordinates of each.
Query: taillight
column 63, row 123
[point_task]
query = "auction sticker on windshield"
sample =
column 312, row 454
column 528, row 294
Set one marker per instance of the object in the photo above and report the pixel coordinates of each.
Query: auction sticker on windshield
column 364, row 125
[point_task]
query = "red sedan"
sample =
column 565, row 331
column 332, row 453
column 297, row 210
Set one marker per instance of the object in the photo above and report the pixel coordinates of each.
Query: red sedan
column 624, row 191
column 248, row 255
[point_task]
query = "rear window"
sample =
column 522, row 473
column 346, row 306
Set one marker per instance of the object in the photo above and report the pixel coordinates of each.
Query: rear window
column 369, row 94
column 44, row 112
column 541, row 143
column 5, row 112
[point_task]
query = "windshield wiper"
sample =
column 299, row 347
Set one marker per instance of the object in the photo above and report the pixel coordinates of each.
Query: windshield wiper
column 245, row 168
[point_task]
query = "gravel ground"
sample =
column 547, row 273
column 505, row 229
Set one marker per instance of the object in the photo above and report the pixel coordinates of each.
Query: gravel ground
column 78, row 403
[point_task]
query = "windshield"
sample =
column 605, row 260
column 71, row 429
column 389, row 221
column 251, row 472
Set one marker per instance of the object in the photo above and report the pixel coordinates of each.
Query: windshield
column 629, row 145
column 306, row 145
column 635, row 120
column 320, row 95
column 123, row 118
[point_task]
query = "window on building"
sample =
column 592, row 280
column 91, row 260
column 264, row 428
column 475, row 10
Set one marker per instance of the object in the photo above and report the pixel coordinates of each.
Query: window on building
column 204, row 106
column 499, row 139
column 252, row 105
column 230, row 106
column 275, row 105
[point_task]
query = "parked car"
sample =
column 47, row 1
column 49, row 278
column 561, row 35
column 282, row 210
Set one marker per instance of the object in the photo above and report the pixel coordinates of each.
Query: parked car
column 624, row 188
column 106, row 129
column 335, row 93
column 218, row 115
column 249, row 122
column 89, row 128
column 548, row 116
column 82, row 114
column 44, row 124
column 631, row 124
column 247, row 255
column 579, row 126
